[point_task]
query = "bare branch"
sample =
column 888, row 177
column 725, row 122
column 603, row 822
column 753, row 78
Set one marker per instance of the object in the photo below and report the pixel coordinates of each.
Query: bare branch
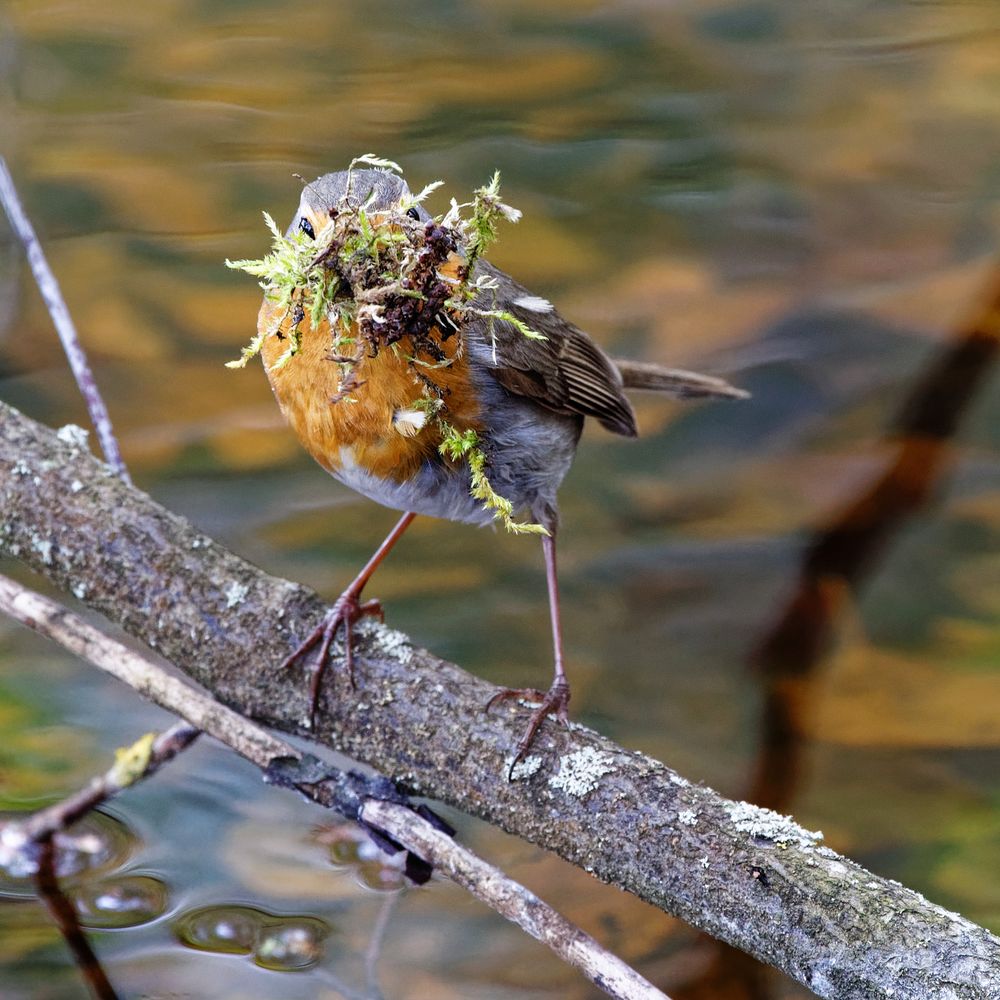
column 65, row 917
column 746, row 875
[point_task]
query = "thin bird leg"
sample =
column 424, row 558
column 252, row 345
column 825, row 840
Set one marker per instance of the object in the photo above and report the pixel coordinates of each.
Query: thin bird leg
column 346, row 610
column 555, row 701
column 552, row 580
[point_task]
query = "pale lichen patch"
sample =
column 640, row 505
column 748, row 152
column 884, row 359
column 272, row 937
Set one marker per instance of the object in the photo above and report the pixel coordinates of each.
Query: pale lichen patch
column 688, row 817
column 525, row 768
column 74, row 435
column 394, row 644
column 581, row 771
column 236, row 594
column 769, row 825
column 575, row 727
column 43, row 547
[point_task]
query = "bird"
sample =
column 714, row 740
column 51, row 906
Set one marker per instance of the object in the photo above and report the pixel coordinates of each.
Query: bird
column 524, row 398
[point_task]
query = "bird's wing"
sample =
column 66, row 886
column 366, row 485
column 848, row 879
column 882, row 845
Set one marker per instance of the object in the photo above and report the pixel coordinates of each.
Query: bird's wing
column 566, row 372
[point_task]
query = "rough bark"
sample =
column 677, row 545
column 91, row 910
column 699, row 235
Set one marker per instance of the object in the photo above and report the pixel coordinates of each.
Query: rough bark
column 745, row 875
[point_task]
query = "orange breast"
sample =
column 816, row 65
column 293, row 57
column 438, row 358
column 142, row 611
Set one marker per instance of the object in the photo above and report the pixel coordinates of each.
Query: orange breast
column 360, row 429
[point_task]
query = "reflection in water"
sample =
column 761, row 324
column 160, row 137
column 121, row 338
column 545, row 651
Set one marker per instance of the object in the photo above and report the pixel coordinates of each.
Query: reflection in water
column 121, row 901
column 93, row 848
column 88, row 857
column 351, row 848
column 836, row 565
column 844, row 553
column 730, row 975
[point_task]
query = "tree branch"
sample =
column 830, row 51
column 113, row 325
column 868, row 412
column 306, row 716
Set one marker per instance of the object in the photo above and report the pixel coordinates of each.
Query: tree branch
column 745, row 875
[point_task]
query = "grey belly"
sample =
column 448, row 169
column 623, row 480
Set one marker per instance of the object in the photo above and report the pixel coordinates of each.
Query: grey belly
column 436, row 491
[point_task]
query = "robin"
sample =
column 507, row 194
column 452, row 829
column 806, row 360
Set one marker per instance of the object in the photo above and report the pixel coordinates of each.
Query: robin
column 524, row 398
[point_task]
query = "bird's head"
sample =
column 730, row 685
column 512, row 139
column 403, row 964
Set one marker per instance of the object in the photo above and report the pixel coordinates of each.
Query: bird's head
column 374, row 190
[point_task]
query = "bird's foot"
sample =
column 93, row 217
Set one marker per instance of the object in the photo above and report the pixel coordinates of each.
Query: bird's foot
column 553, row 702
column 346, row 610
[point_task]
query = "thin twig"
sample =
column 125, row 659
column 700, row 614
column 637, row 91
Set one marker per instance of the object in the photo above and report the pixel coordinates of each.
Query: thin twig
column 64, row 916
column 151, row 681
column 44, row 824
column 516, row 902
column 402, row 824
column 64, row 325
column 139, row 761
column 39, row 835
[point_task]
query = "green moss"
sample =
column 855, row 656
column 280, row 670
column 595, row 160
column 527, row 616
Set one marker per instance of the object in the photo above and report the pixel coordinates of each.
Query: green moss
column 457, row 445
column 370, row 276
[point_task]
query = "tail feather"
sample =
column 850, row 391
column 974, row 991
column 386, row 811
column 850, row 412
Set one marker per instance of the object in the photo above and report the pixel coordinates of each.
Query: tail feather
column 675, row 381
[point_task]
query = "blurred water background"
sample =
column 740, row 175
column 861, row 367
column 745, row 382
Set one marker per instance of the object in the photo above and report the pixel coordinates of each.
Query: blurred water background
column 803, row 198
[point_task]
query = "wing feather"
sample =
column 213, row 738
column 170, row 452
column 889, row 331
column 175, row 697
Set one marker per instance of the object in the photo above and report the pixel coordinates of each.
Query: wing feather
column 567, row 372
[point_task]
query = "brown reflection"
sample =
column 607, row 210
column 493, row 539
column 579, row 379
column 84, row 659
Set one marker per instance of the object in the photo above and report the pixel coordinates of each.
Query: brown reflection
column 730, row 975
column 64, row 914
column 843, row 554
column 839, row 560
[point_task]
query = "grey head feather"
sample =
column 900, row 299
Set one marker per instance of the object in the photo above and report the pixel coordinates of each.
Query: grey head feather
column 377, row 189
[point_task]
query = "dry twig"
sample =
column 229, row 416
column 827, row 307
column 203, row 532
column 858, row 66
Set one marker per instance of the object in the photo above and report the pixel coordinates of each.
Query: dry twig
column 142, row 759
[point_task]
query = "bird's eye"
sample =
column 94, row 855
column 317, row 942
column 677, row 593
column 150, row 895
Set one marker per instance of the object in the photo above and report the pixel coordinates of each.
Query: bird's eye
column 413, row 213
column 306, row 226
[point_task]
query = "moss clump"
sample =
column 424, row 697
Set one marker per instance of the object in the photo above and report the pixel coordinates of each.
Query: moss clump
column 458, row 445
column 376, row 278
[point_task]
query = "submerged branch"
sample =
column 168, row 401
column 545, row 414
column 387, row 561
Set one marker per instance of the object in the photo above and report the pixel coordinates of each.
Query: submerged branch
column 745, row 875
column 64, row 916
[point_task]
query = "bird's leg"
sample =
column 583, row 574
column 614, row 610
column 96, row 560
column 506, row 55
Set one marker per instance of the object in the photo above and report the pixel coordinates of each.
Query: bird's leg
column 346, row 610
column 555, row 701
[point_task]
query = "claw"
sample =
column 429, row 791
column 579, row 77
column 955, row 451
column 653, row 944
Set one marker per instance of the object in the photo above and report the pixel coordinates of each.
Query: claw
column 346, row 611
column 555, row 702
